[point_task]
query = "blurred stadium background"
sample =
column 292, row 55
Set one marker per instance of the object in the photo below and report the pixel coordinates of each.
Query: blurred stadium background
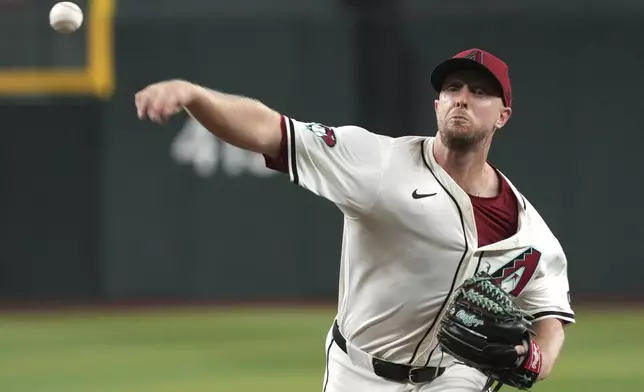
column 145, row 258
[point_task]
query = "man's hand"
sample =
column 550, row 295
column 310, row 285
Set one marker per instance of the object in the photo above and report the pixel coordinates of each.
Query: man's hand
column 160, row 101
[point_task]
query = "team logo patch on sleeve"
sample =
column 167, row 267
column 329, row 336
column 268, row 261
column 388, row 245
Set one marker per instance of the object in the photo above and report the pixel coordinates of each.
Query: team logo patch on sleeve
column 515, row 275
column 323, row 132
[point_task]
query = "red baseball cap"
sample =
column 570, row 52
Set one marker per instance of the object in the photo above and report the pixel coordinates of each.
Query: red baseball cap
column 475, row 59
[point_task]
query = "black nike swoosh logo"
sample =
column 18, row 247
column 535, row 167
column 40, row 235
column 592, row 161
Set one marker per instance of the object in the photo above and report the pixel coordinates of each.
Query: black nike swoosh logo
column 417, row 195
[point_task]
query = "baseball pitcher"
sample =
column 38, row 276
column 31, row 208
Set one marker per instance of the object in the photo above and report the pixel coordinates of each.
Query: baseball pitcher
column 450, row 279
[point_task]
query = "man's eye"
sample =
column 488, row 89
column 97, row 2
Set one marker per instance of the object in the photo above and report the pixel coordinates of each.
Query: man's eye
column 452, row 88
column 479, row 91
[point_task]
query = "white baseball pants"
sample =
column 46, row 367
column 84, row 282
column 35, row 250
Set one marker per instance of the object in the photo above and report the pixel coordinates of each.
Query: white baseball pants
column 341, row 375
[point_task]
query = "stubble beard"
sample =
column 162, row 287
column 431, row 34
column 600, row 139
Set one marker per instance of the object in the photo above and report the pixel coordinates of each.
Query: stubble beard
column 457, row 140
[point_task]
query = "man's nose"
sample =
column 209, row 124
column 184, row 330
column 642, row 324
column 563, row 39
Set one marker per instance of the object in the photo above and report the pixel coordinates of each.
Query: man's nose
column 463, row 97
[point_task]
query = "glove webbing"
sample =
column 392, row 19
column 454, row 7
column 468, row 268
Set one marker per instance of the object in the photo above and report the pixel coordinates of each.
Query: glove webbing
column 499, row 303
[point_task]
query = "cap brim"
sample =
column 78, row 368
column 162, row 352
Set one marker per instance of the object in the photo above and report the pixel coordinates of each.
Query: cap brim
column 447, row 67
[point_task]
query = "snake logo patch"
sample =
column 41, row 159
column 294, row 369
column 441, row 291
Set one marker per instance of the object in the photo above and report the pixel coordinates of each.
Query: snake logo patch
column 515, row 275
column 323, row 132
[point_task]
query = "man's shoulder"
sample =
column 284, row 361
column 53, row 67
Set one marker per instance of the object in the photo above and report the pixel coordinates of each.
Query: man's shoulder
column 539, row 228
column 409, row 139
column 404, row 143
column 386, row 139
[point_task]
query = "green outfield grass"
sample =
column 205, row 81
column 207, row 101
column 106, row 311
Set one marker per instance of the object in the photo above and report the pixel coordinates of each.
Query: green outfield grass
column 251, row 350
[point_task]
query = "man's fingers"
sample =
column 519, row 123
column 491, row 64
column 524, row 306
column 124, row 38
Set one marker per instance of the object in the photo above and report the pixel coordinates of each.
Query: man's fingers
column 157, row 106
column 157, row 102
column 140, row 104
column 142, row 109
column 167, row 106
column 521, row 350
column 145, row 101
column 164, row 108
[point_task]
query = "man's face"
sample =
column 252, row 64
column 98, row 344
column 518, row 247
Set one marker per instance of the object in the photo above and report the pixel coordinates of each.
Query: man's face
column 469, row 109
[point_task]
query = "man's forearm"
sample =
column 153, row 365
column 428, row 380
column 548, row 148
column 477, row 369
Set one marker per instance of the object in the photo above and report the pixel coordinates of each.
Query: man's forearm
column 242, row 122
column 550, row 338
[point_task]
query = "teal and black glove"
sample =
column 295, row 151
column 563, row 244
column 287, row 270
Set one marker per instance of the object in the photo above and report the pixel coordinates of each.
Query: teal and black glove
column 483, row 327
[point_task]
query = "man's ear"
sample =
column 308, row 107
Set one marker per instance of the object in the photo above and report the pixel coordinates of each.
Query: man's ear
column 504, row 116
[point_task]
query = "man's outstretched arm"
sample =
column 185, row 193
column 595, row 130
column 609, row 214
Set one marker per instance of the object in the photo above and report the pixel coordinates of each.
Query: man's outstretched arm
column 342, row 164
column 243, row 122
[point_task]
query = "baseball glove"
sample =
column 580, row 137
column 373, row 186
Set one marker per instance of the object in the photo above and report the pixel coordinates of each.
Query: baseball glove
column 482, row 327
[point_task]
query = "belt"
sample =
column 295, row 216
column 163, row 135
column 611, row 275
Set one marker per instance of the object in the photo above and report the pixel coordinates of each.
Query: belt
column 393, row 371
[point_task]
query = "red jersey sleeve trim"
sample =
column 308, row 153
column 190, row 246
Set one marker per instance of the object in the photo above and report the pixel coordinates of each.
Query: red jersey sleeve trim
column 281, row 162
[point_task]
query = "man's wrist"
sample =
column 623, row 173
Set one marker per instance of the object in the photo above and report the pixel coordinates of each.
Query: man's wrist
column 533, row 361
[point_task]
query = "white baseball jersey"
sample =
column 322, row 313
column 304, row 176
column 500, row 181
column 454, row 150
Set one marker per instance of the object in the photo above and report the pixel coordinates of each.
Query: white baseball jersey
column 410, row 239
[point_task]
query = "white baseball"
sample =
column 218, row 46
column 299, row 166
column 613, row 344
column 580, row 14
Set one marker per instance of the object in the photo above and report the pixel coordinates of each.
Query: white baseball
column 66, row 17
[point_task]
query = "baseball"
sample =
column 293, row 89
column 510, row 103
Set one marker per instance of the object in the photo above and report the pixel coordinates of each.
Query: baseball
column 66, row 17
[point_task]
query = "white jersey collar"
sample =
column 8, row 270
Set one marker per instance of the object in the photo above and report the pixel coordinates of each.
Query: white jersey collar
column 519, row 240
